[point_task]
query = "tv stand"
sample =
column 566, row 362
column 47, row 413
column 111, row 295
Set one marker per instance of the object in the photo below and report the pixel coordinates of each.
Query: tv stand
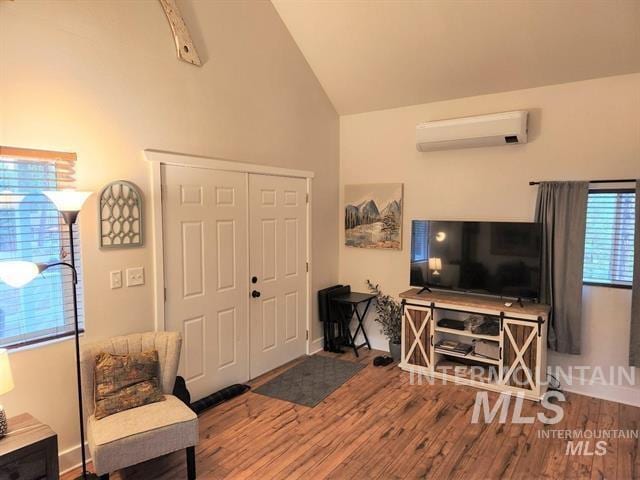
column 520, row 365
column 424, row 289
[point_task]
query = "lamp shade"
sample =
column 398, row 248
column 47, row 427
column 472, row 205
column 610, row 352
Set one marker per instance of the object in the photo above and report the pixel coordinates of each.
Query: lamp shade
column 17, row 273
column 435, row 263
column 6, row 379
column 67, row 200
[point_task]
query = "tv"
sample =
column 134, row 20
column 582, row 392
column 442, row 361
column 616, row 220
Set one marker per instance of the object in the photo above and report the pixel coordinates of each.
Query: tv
column 492, row 258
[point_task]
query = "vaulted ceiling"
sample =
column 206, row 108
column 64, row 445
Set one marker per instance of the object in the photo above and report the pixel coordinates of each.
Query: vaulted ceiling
column 377, row 54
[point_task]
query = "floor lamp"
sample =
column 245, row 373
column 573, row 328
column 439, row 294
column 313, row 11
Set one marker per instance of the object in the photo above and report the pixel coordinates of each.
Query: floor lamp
column 19, row 273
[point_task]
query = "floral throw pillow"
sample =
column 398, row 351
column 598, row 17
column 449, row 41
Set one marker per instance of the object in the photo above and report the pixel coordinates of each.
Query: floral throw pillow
column 125, row 381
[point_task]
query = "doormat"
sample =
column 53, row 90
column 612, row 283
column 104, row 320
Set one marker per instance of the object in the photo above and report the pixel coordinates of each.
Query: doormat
column 311, row 381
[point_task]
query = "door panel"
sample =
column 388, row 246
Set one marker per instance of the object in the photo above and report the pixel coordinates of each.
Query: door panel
column 277, row 252
column 520, row 356
column 193, row 347
column 417, row 336
column 206, row 271
column 226, row 254
column 193, row 259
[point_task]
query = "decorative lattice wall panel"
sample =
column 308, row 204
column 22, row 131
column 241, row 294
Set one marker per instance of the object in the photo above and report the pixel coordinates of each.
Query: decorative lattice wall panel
column 120, row 215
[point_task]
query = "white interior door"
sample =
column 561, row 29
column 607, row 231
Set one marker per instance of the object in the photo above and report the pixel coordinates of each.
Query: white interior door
column 277, row 259
column 206, row 272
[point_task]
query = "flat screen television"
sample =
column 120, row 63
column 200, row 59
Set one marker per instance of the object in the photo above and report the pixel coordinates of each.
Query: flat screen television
column 493, row 258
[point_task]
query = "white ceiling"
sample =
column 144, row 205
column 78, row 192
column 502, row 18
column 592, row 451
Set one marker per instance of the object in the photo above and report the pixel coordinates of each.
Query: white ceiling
column 372, row 55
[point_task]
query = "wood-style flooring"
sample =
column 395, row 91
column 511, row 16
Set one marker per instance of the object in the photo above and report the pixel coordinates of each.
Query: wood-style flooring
column 377, row 425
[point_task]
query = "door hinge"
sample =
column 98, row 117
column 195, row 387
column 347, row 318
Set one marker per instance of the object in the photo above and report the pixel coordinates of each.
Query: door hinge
column 307, row 197
column 165, row 294
column 307, row 267
column 307, row 334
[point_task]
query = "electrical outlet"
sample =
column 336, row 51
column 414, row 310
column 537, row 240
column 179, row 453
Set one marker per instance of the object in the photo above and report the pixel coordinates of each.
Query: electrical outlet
column 115, row 279
column 135, row 276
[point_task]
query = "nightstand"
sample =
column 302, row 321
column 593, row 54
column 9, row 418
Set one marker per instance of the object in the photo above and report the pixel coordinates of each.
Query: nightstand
column 29, row 451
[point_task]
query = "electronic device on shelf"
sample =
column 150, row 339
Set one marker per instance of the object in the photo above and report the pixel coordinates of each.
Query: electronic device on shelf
column 489, row 326
column 451, row 323
column 492, row 258
column 486, row 348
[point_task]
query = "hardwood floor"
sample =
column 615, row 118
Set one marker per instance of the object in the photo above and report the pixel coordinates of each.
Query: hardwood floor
column 377, row 425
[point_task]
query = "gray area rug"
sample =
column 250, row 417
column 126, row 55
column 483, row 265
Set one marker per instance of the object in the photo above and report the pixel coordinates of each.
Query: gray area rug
column 311, row 381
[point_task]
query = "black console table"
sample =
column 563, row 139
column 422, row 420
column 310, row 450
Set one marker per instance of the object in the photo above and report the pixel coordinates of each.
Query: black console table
column 351, row 301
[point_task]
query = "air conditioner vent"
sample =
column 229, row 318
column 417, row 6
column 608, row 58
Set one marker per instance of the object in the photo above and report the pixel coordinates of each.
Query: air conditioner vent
column 470, row 132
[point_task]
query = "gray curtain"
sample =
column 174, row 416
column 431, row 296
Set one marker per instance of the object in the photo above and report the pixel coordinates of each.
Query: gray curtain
column 634, row 341
column 562, row 210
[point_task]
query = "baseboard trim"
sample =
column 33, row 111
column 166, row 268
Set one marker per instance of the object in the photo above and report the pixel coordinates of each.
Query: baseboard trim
column 316, row 345
column 71, row 459
column 615, row 393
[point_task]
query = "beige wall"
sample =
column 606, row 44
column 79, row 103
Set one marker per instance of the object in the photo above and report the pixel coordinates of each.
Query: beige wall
column 583, row 130
column 101, row 78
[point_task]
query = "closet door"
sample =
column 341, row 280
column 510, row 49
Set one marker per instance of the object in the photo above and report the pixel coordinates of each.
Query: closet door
column 277, row 253
column 206, row 271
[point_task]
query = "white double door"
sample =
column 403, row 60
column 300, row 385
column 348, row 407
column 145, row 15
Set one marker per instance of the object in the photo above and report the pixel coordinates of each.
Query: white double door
column 235, row 255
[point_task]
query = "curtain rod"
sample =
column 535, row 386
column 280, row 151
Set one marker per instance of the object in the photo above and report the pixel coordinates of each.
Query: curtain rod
column 617, row 180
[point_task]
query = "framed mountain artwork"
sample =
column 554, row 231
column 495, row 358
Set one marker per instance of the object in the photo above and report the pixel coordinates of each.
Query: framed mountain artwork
column 373, row 216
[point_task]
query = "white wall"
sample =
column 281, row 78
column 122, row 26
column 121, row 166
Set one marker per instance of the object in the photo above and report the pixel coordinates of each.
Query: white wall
column 582, row 130
column 101, row 78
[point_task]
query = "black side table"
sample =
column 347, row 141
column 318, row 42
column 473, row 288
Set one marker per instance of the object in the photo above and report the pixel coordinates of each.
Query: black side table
column 352, row 301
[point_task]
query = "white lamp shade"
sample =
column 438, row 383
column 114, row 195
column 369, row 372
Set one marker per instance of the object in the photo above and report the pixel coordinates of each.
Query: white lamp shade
column 17, row 273
column 435, row 263
column 67, row 200
column 6, row 379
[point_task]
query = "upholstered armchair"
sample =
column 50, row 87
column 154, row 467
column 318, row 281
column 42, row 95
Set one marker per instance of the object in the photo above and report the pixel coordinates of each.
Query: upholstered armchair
column 139, row 434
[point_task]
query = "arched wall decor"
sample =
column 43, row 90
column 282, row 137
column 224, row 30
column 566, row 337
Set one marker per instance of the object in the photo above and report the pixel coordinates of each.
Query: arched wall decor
column 121, row 214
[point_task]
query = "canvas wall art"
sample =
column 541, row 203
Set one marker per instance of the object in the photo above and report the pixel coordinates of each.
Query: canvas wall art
column 373, row 215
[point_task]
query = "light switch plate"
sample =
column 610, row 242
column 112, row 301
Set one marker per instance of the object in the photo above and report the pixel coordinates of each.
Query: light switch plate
column 115, row 279
column 135, row 276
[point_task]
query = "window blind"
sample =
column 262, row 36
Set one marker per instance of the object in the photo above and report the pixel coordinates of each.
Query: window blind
column 419, row 240
column 608, row 257
column 32, row 229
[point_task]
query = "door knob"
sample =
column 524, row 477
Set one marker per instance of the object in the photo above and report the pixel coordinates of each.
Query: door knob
column 255, row 294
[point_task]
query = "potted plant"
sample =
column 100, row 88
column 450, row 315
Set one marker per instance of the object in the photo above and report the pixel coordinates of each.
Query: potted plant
column 389, row 315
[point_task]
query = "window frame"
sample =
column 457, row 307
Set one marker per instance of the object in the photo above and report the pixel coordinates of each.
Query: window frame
column 609, row 190
column 64, row 176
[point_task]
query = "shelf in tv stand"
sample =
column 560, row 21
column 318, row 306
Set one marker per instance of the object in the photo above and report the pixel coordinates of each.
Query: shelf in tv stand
column 467, row 333
column 467, row 356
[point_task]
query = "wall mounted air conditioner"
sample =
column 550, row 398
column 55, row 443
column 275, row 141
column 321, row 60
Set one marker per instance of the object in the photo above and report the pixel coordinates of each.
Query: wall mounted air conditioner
column 508, row 128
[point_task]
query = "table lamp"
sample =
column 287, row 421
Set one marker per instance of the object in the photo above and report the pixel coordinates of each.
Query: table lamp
column 6, row 385
column 435, row 265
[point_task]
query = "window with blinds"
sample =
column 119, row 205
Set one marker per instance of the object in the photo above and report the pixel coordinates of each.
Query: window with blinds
column 32, row 229
column 419, row 240
column 608, row 255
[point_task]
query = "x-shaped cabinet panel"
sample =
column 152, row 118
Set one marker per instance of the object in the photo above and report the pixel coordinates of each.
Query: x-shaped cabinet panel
column 417, row 334
column 520, row 355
